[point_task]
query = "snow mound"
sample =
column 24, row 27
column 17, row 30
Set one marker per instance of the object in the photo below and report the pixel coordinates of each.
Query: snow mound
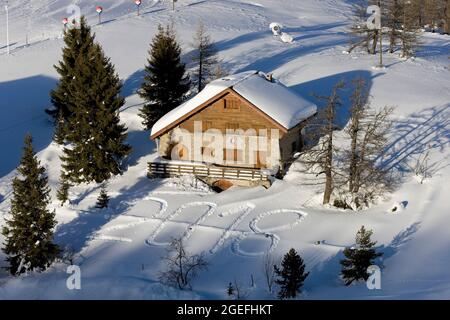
column 286, row 38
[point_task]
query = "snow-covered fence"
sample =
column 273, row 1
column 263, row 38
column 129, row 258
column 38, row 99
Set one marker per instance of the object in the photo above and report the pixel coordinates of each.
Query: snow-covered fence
column 208, row 171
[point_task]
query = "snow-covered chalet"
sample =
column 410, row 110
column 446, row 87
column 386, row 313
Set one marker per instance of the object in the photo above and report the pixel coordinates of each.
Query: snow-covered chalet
column 252, row 104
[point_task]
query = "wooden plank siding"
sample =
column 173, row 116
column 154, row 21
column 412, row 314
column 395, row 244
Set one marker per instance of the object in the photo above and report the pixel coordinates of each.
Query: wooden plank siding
column 229, row 112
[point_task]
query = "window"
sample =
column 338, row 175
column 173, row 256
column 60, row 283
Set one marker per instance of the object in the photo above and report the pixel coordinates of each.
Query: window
column 178, row 152
column 231, row 104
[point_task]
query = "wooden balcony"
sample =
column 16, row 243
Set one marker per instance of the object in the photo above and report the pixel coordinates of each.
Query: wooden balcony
column 167, row 169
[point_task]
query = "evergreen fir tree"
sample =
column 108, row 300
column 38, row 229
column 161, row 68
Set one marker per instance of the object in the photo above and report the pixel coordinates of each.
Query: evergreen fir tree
column 95, row 136
column 58, row 134
column 291, row 276
column 205, row 58
column 29, row 233
column 78, row 41
column 63, row 191
column 354, row 267
column 103, row 199
column 165, row 82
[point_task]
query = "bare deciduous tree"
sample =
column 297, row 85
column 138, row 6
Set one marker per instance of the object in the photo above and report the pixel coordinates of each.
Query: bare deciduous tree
column 205, row 57
column 422, row 168
column 353, row 130
column 319, row 159
column 367, row 132
column 269, row 271
column 401, row 21
column 447, row 17
column 361, row 35
column 239, row 291
column 182, row 267
column 410, row 29
column 219, row 72
column 393, row 22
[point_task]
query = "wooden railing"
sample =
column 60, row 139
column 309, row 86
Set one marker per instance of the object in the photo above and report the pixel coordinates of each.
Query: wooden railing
column 207, row 171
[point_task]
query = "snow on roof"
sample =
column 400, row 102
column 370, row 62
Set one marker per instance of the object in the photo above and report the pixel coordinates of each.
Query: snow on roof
column 276, row 100
column 273, row 98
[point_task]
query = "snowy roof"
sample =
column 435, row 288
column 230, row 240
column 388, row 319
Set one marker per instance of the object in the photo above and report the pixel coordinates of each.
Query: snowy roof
column 272, row 98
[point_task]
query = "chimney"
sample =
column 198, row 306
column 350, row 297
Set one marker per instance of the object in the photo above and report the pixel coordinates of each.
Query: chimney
column 269, row 77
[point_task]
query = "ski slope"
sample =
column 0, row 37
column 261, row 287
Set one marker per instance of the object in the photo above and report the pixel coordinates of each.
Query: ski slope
column 119, row 250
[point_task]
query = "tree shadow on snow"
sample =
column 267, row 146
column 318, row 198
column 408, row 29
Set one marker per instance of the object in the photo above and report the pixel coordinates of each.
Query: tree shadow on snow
column 78, row 232
column 399, row 240
column 319, row 27
column 22, row 105
column 428, row 129
column 243, row 38
column 293, row 51
column 142, row 146
column 324, row 86
column 133, row 83
column 326, row 273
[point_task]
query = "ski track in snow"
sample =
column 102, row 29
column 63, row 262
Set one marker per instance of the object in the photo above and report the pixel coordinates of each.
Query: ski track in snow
column 242, row 211
column 138, row 220
column 245, row 209
column 267, row 233
column 151, row 239
column 254, row 223
column 112, row 238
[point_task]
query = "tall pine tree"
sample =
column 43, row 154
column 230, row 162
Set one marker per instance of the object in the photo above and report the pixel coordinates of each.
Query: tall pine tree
column 29, row 233
column 95, row 135
column 165, row 82
column 291, row 276
column 78, row 41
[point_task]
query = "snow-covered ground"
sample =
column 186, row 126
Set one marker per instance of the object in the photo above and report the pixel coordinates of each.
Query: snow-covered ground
column 119, row 250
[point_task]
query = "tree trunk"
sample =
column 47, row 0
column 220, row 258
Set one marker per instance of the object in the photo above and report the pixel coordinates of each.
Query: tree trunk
column 200, row 74
column 373, row 50
column 353, row 160
column 329, row 156
column 392, row 40
column 328, row 187
column 447, row 17
column 357, row 179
